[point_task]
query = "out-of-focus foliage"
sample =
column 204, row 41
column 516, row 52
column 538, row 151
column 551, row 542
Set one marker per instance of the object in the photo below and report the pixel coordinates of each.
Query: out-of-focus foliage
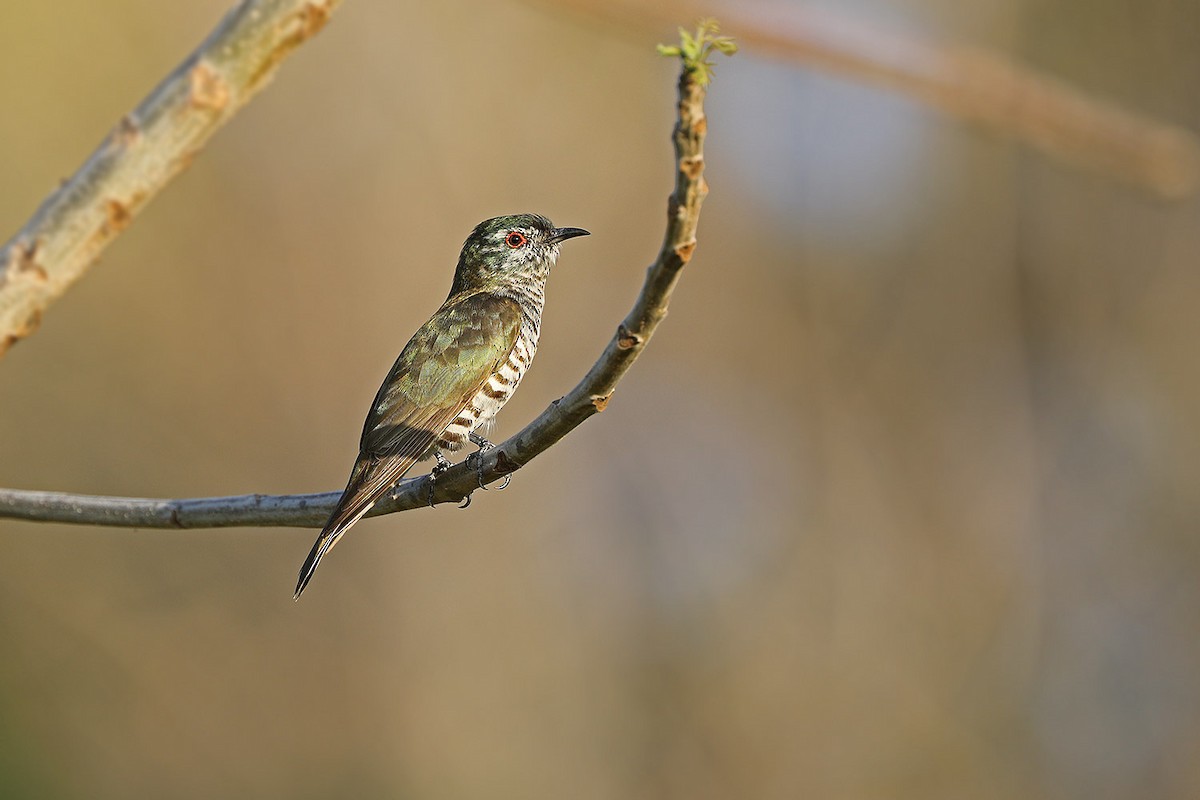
column 901, row 501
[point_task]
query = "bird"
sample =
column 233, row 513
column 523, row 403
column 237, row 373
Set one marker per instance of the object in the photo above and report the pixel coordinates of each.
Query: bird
column 457, row 370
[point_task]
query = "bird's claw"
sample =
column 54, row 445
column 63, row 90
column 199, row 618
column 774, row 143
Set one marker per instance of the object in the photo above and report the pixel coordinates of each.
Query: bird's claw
column 484, row 445
column 441, row 466
column 478, row 459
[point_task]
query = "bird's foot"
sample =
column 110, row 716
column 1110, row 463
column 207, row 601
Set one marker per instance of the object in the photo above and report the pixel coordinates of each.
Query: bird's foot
column 441, row 466
column 484, row 445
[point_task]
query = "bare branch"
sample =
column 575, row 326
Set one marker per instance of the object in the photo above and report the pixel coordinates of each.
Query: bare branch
column 974, row 84
column 146, row 149
column 136, row 512
column 589, row 397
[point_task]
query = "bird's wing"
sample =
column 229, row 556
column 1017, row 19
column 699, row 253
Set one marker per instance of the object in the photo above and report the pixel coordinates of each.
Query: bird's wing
column 438, row 373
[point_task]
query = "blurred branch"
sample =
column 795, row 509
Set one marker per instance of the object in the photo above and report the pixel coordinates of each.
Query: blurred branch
column 589, row 397
column 146, row 149
column 974, row 84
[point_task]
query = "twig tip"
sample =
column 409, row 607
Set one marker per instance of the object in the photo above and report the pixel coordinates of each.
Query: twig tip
column 696, row 49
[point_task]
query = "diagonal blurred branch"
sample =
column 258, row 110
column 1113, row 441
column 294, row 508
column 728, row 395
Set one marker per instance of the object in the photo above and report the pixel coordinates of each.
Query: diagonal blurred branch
column 974, row 84
column 146, row 149
column 589, row 397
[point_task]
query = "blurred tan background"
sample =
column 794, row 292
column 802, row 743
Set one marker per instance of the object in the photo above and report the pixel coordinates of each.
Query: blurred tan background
column 900, row 503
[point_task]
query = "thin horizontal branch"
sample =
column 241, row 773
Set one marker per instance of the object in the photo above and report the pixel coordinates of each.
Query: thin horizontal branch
column 136, row 512
column 974, row 84
column 141, row 155
column 589, row 397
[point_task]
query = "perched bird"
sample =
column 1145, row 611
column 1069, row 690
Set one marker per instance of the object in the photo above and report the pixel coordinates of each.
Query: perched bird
column 458, row 370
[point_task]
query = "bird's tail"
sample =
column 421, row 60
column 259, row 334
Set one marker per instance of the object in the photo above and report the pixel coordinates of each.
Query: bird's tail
column 354, row 503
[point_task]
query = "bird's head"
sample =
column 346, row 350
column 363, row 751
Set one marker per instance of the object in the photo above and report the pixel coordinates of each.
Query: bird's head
column 510, row 250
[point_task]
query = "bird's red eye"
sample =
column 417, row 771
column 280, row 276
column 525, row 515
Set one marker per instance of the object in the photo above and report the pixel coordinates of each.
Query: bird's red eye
column 515, row 240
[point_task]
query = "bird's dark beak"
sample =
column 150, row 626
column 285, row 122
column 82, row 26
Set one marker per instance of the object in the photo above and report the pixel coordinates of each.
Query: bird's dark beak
column 562, row 234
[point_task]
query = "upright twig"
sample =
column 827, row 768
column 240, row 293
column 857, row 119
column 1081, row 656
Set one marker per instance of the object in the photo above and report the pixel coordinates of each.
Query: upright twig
column 146, row 149
column 589, row 397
